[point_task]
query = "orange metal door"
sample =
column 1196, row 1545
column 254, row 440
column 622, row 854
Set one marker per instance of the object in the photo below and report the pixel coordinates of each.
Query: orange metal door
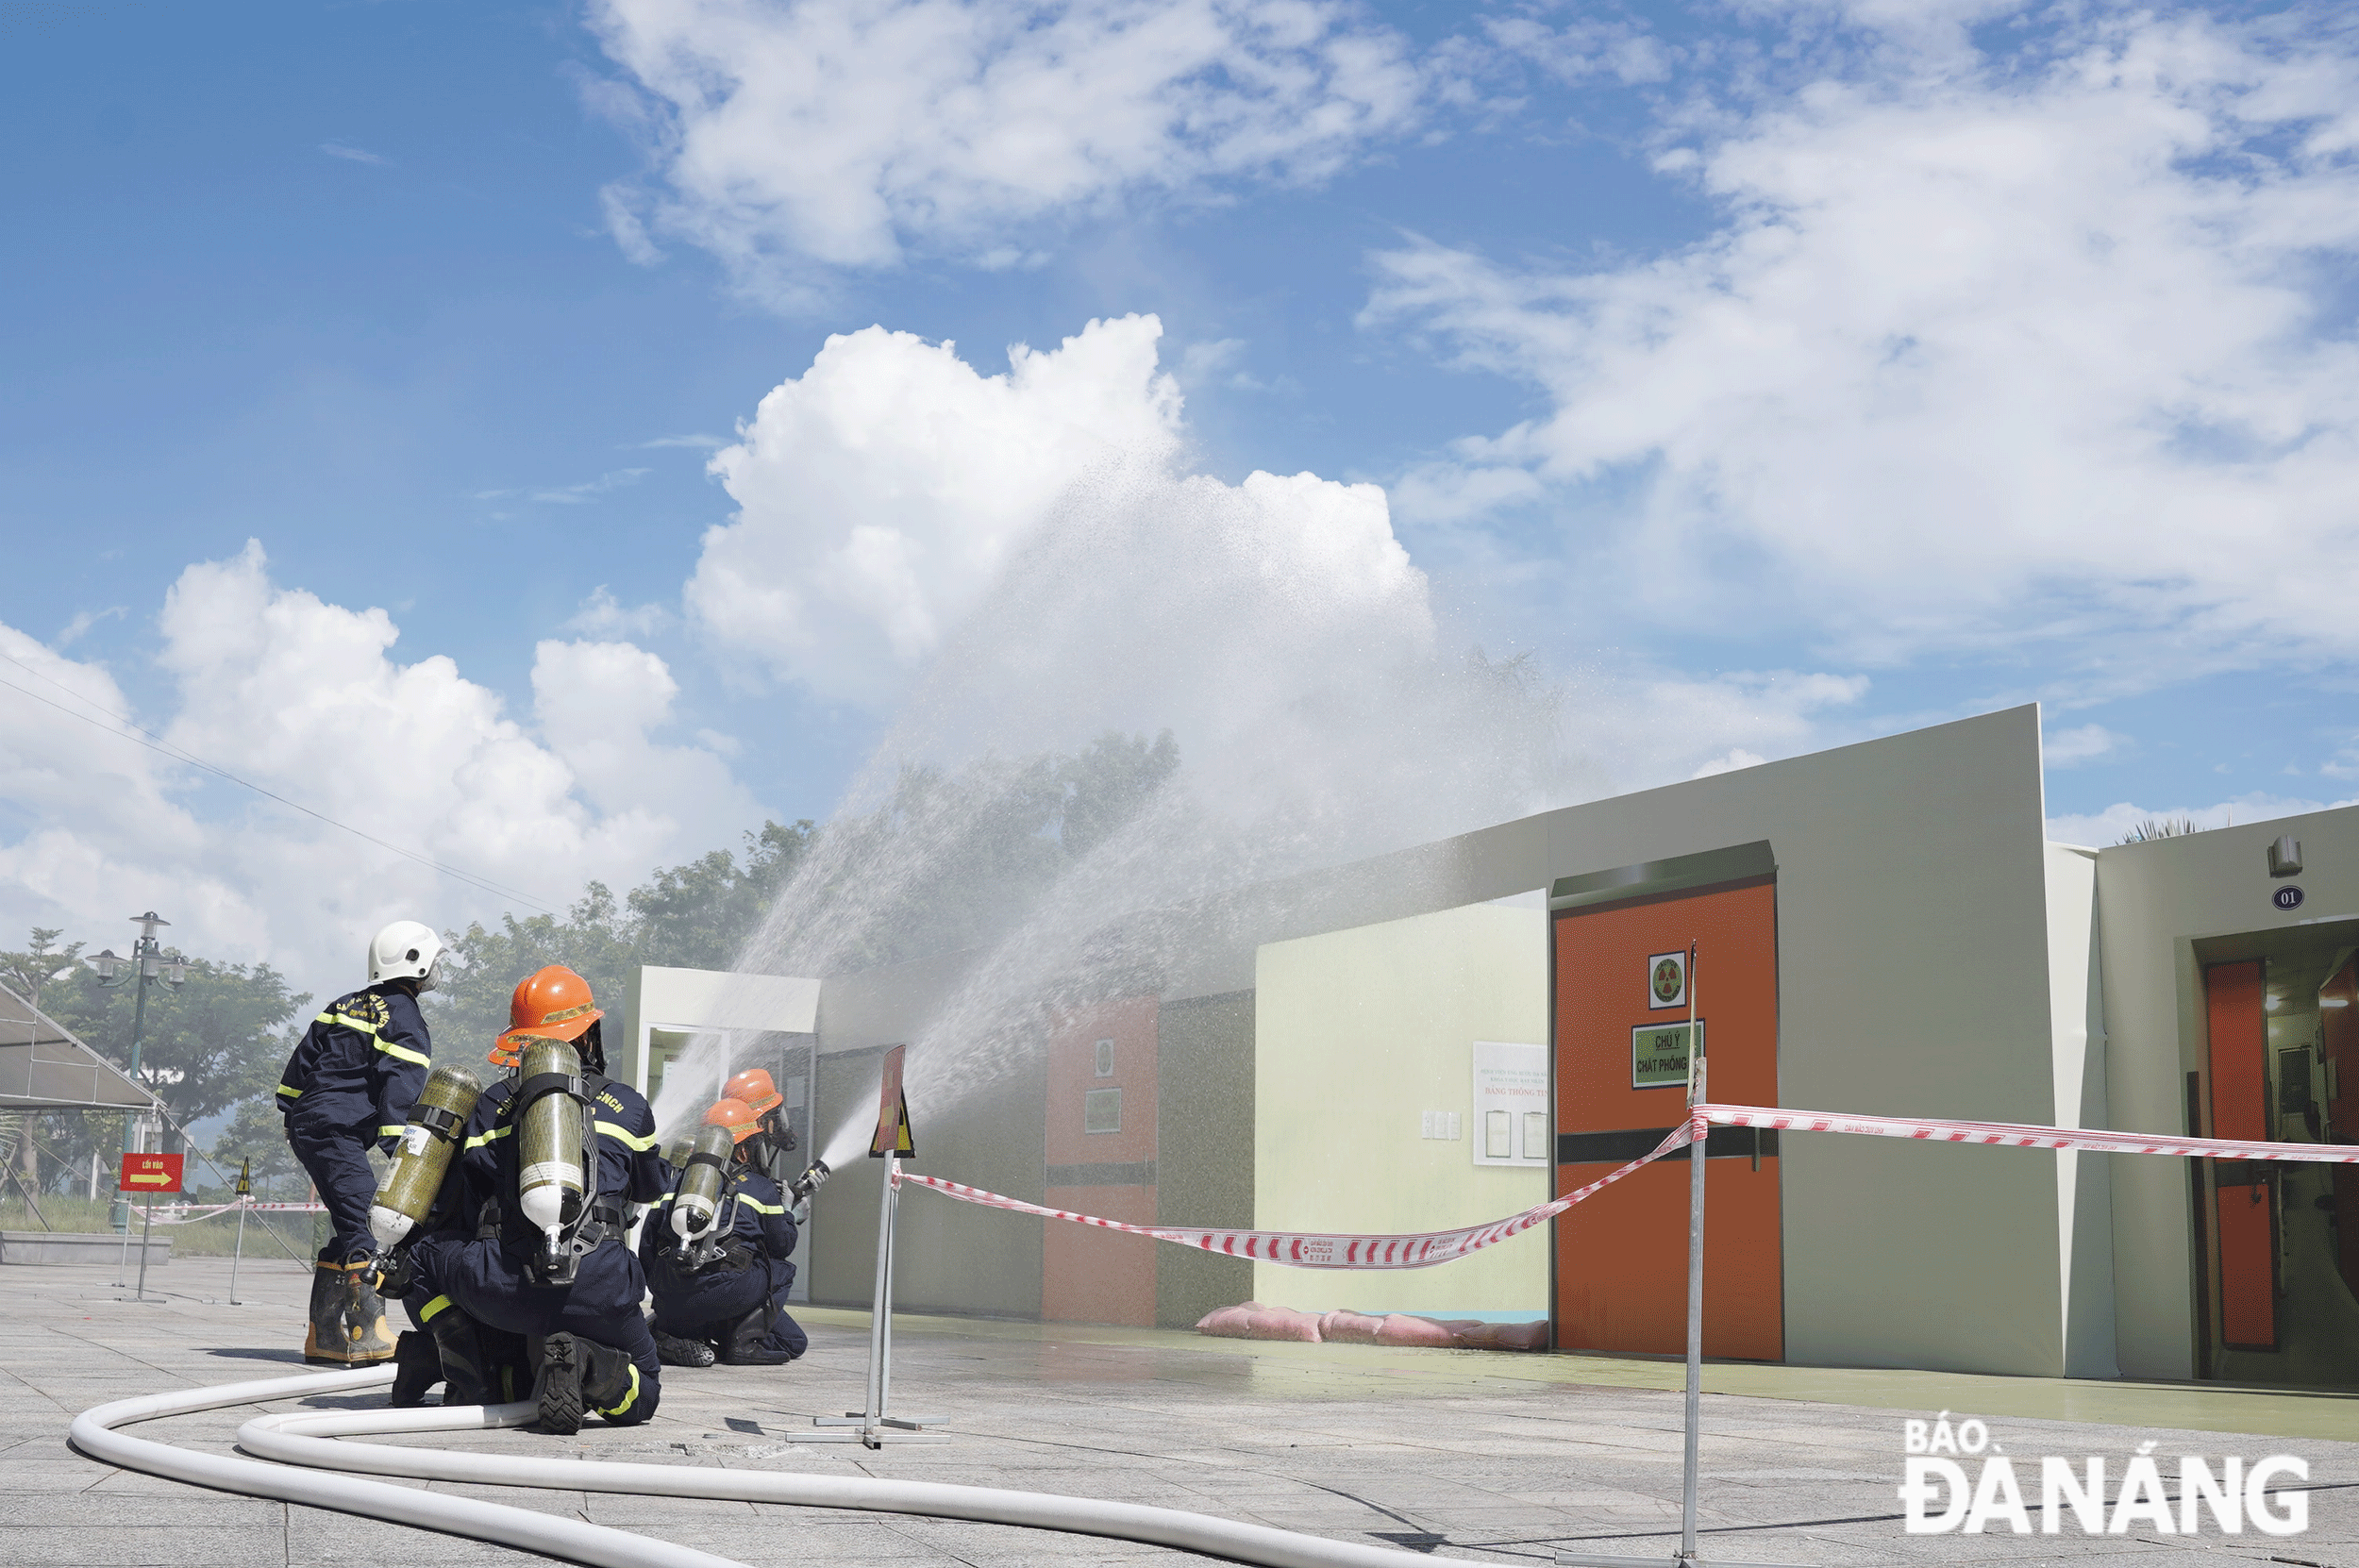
column 2241, row 1190
column 1101, row 1149
column 1621, row 1257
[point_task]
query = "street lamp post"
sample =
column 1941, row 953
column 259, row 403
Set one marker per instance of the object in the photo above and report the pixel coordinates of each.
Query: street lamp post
column 146, row 964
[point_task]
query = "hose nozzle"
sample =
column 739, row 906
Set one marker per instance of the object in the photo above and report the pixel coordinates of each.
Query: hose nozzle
column 801, row 1188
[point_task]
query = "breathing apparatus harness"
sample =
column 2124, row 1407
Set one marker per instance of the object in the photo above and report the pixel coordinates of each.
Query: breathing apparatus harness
column 587, row 1218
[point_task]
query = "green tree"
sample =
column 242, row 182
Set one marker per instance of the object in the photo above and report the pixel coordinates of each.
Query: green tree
column 28, row 973
column 697, row 915
column 469, row 1007
column 208, row 1044
column 953, row 859
column 41, row 963
column 259, row 1133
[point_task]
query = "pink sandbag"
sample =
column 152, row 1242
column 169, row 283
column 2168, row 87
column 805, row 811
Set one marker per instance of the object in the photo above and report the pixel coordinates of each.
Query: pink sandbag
column 1399, row 1328
column 1229, row 1322
column 1345, row 1327
column 1503, row 1336
column 1282, row 1322
column 1251, row 1320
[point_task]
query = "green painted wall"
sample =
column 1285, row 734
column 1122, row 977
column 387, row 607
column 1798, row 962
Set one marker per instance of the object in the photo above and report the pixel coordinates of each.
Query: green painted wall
column 1356, row 1032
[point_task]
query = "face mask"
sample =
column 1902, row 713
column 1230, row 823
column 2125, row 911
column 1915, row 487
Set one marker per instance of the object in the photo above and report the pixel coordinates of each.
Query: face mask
column 432, row 977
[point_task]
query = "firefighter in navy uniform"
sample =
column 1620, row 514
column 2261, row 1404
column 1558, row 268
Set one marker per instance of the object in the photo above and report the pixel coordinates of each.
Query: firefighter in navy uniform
column 731, row 1301
column 499, row 1304
column 348, row 1088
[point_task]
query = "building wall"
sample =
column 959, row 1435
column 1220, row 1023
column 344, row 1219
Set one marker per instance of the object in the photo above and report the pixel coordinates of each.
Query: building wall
column 2155, row 901
column 1914, row 979
column 1929, row 946
column 1356, row 1032
column 952, row 1256
column 2084, row 1236
column 1204, row 1162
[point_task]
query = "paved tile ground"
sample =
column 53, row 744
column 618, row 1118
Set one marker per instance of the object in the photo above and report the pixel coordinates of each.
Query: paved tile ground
column 1502, row 1457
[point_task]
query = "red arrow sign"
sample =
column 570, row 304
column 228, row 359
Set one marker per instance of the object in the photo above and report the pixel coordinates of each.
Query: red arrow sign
column 150, row 1172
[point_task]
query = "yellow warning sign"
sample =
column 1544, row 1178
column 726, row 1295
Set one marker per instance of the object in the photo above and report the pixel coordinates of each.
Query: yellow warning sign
column 892, row 1111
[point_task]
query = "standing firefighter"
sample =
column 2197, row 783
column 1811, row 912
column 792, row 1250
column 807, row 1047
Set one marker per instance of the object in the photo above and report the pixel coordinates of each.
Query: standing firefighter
column 536, row 1277
column 349, row 1087
column 716, row 1251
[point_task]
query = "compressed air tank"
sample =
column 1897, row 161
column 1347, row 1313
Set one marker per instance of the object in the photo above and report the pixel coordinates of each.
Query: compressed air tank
column 437, row 1123
column 549, row 1183
column 698, row 1196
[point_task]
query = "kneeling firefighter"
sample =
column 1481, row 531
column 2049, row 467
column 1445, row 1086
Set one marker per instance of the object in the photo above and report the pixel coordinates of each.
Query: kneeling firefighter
column 536, row 1279
column 348, row 1088
column 715, row 1250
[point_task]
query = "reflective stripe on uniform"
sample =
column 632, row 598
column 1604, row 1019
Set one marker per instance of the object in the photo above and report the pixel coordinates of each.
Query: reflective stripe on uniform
column 395, row 1131
column 629, row 1140
column 291, row 1094
column 403, row 1052
column 628, row 1401
column 360, row 1025
column 760, row 1207
column 425, row 1314
column 482, row 1138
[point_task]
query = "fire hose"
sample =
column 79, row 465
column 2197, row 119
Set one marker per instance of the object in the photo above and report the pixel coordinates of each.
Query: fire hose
column 304, row 1441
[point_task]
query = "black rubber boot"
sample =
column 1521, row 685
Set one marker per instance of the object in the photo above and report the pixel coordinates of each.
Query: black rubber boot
column 321, row 1329
column 613, row 1386
column 743, row 1346
column 509, row 1364
column 458, row 1353
column 673, row 1351
column 417, row 1367
column 558, row 1390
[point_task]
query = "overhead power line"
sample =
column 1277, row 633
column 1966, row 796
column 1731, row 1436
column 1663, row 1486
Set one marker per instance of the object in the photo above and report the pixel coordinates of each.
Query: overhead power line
column 157, row 743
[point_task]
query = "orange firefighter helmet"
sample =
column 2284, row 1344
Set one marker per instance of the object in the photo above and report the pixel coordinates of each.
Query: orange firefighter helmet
column 736, row 1115
column 552, row 1004
column 754, row 1087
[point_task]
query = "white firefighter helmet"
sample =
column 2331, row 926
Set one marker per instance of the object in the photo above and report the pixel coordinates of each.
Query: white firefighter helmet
column 404, row 950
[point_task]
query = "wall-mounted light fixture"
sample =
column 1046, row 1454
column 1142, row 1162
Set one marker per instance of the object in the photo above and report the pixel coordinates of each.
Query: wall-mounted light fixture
column 2285, row 857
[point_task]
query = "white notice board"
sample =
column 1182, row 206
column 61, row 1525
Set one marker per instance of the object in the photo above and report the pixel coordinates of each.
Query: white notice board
column 1511, row 1103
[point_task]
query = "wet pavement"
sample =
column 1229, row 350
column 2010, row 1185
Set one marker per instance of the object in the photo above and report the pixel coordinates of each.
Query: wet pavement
column 1473, row 1455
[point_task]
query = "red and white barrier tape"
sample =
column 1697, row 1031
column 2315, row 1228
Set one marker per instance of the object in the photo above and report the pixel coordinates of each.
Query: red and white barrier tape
column 2026, row 1135
column 187, row 1213
column 1302, row 1250
column 1311, row 1250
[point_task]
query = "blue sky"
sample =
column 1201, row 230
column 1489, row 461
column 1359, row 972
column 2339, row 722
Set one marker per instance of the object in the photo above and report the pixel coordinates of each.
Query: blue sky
column 1778, row 376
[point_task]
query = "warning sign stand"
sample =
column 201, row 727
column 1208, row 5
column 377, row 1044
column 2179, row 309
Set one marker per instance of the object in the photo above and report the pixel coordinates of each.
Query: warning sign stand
column 893, row 1143
column 150, row 1173
column 246, row 1198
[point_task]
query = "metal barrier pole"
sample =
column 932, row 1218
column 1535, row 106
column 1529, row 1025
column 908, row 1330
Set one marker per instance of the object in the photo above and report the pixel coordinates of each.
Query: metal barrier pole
column 880, row 1304
column 238, row 1255
column 874, row 1424
column 1697, row 1151
column 1695, row 1330
column 147, row 1224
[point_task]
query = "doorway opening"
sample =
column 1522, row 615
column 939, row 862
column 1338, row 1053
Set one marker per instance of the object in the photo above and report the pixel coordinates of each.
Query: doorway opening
column 2278, row 1245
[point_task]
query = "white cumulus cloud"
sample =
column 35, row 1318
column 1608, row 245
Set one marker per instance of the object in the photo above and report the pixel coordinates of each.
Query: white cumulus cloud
column 303, row 698
column 881, row 491
column 1985, row 352
column 2097, row 829
column 807, row 134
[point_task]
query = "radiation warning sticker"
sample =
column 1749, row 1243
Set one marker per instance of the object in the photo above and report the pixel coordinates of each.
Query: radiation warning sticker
column 1667, row 980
